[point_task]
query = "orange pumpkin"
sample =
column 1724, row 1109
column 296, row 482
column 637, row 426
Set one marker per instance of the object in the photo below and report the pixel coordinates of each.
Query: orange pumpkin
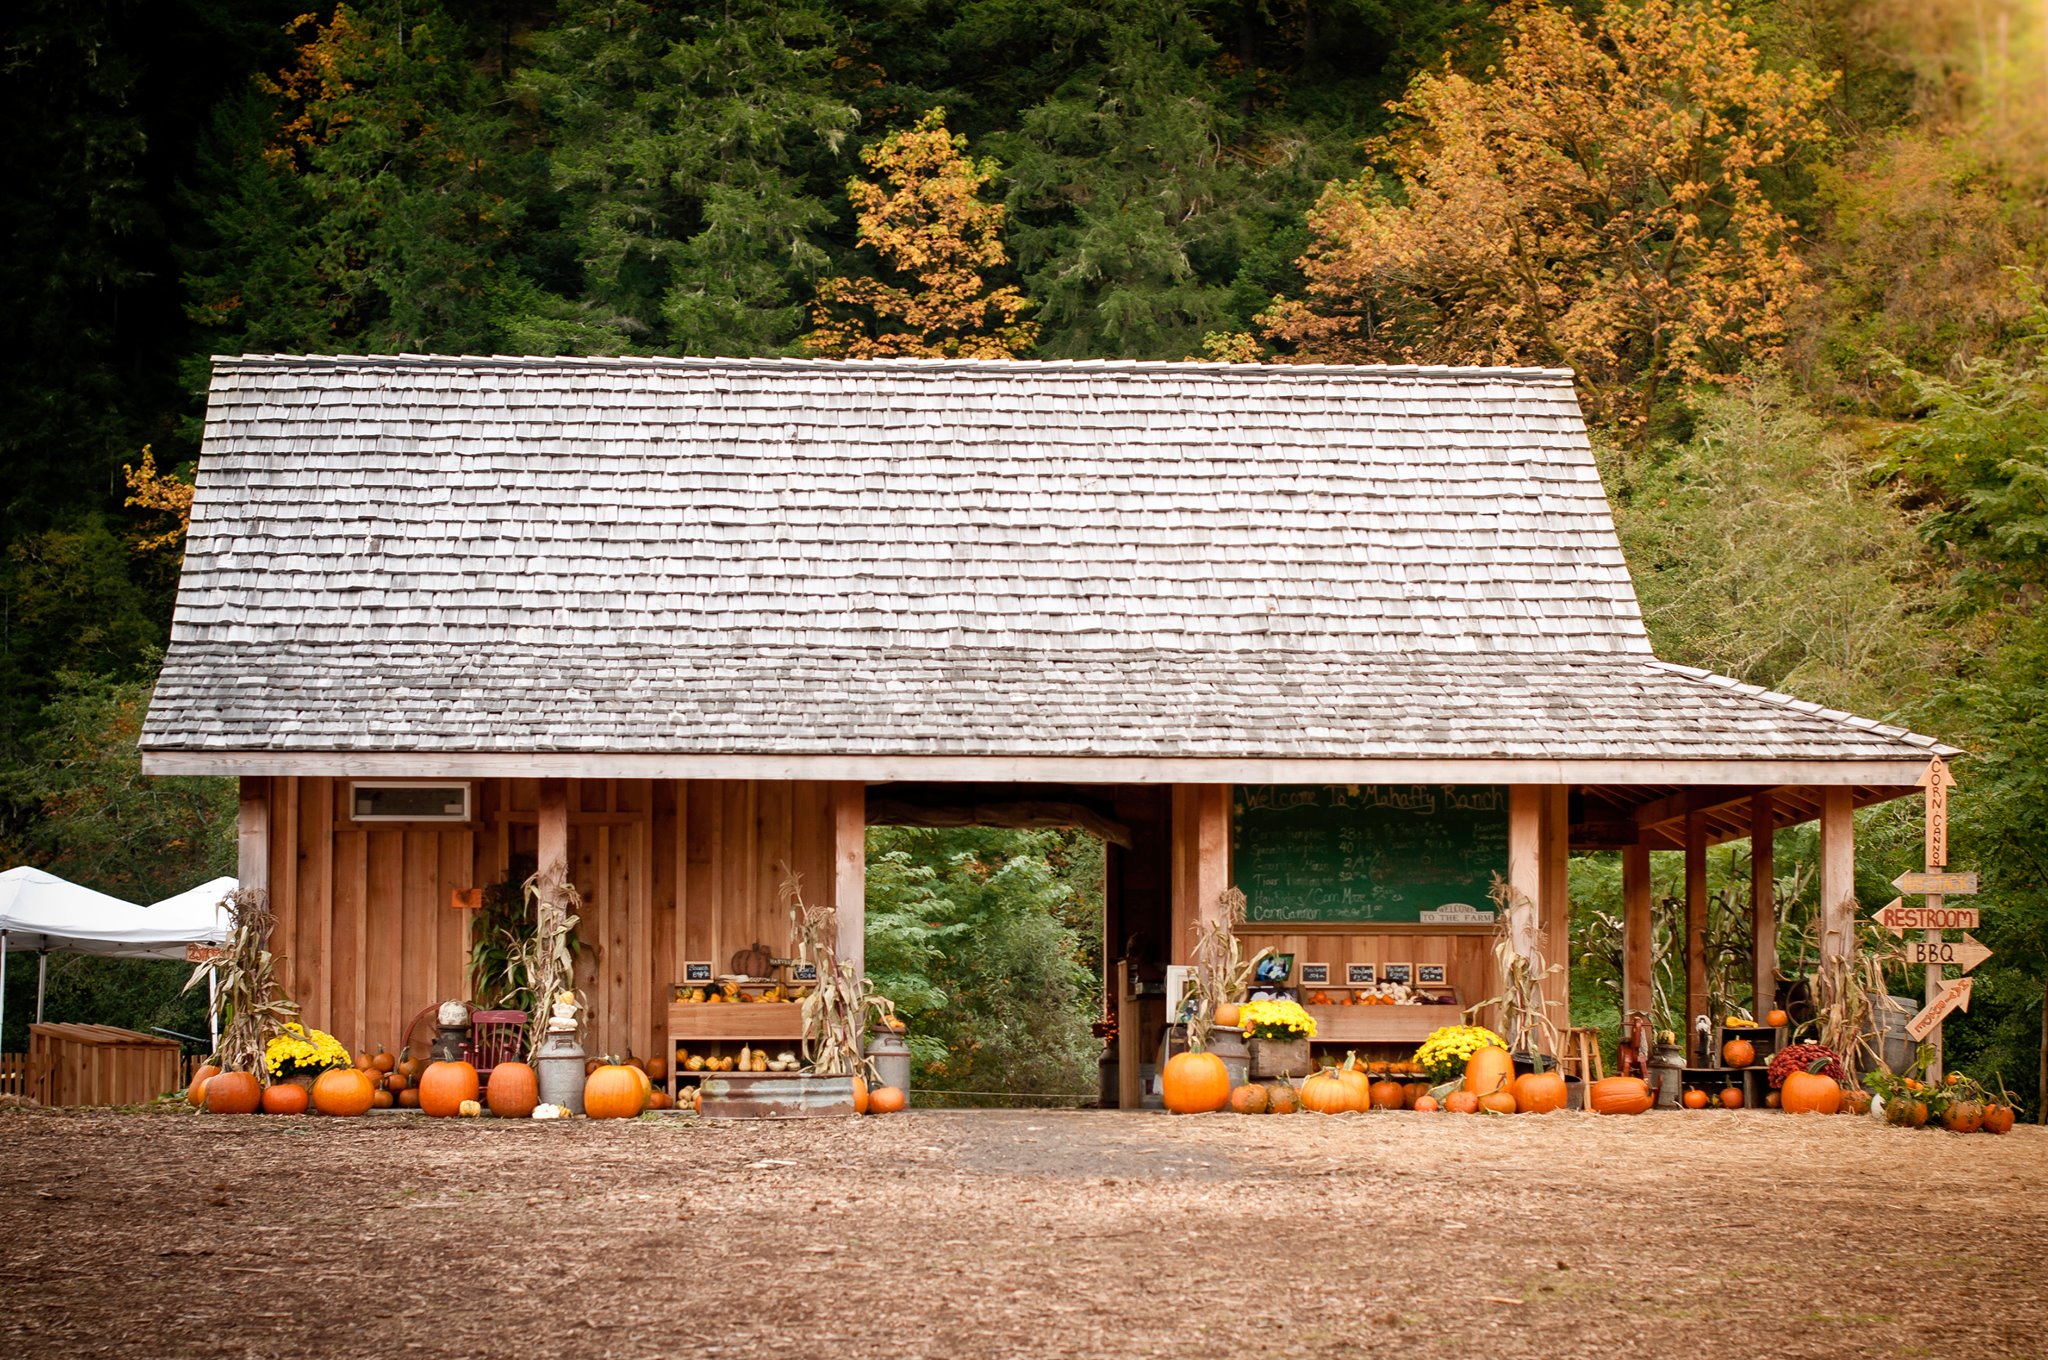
column 891, row 1100
column 1998, row 1119
column 1619, row 1095
column 1248, row 1099
column 1226, row 1015
column 656, row 1069
column 409, row 1098
column 1731, row 1097
column 1963, row 1116
column 1695, row 1099
column 233, row 1093
column 1281, row 1098
column 1323, row 1093
column 195, row 1094
column 382, row 1100
column 344, row 1092
column 1854, row 1102
column 444, row 1086
column 1738, row 1053
column 1462, row 1102
column 1194, row 1083
column 287, row 1097
column 513, row 1090
column 1777, row 1019
column 1540, row 1092
column 1498, row 1102
column 1810, row 1093
column 614, row 1091
column 659, row 1101
column 1425, row 1104
column 382, row 1061
column 860, row 1095
column 396, row 1082
column 1357, row 1085
column 1488, row 1070
column 1771, row 1100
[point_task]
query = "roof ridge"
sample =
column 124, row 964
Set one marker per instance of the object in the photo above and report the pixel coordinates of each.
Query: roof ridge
column 977, row 367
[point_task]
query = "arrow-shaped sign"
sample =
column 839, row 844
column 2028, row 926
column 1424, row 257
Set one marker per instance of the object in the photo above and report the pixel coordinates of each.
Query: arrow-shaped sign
column 1937, row 781
column 1899, row 918
column 1936, row 775
column 1932, row 882
column 1955, row 994
column 1940, row 953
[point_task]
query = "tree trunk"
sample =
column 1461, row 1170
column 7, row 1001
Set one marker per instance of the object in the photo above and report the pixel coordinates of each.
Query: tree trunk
column 2041, row 1088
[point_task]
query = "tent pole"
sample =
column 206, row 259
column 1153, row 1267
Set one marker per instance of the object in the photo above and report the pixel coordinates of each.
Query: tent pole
column 42, row 978
column 3, row 993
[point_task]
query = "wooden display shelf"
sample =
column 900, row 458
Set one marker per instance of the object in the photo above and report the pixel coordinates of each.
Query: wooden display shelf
column 1380, row 1024
column 782, row 1021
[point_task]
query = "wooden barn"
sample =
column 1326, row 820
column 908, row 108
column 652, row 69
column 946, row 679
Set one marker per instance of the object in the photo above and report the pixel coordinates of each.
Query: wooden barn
column 1353, row 637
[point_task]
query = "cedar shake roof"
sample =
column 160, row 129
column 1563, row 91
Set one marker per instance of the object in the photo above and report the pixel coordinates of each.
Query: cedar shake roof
column 906, row 559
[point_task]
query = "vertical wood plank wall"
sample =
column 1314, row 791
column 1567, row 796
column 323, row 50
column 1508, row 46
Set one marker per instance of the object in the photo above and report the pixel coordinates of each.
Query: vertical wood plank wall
column 669, row 871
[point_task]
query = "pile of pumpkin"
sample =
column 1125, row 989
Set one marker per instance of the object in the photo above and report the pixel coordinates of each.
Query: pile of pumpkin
column 1198, row 1083
column 439, row 1089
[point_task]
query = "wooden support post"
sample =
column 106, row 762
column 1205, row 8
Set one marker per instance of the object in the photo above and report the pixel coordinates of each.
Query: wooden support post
column 1695, row 927
column 1554, row 907
column 1129, row 1091
column 1837, row 875
column 1201, row 861
column 1525, row 860
column 1638, row 940
column 850, row 869
column 1763, row 906
column 252, row 839
column 552, row 831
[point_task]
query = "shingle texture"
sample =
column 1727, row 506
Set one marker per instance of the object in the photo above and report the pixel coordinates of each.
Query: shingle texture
column 783, row 557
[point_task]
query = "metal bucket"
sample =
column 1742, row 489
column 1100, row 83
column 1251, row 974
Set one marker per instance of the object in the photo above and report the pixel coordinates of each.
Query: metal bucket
column 891, row 1056
column 558, row 1071
column 1889, row 1017
column 801, row 1096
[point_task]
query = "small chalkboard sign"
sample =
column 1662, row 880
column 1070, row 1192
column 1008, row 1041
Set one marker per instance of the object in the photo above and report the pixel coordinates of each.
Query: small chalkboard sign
column 1315, row 975
column 1359, row 975
column 1429, row 975
column 803, row 972
column 697, row 973
column 1397, row 972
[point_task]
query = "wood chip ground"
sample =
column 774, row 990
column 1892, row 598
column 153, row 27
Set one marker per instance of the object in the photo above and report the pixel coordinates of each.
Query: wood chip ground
column 1014, row 1233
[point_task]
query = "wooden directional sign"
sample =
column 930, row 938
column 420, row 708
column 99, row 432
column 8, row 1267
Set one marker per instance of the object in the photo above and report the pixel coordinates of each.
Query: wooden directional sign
column 1933, row 882
column 1899, row 918
column 1943, row 953
column 203, row 953
column 1955, row 994
column 1937, row 781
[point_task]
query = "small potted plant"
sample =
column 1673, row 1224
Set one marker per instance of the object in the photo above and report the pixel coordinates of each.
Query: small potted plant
column 1276, row 1034
column 297, row 1055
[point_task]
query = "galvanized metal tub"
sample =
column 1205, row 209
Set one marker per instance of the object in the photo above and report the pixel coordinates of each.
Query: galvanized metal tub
column 793, row 1096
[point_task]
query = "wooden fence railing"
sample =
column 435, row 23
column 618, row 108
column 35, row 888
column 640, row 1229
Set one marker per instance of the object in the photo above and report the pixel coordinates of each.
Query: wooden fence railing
column 13, row 1074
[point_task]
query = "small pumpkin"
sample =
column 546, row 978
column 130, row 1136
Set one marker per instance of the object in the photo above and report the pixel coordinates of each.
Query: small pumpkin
column 1425, row 1105
column 396, row 1082
column 1731, row 1097
column 860, row 1095
column 410, row 1069
column 233, row 1093
column 1855, row 1102
column 892, row 1100
column 656, row 1069
column 659, row 1100
column 1250, row 1099
column 1281, row 1098
column 409, row 1098
column 1810, row 1092
column 1619, row 1095
column 1998, row 1118
column 344, row 1092
column 1963, row 1116
column 1777, row 1019
column 1194, row 1083
column 1323, row 1093
column 1488, row 1070
column 1694, row 1099
column 382, row 1061
column 1904, row 1113
column 614, row 1091
column 444, row 1086
column 1540, row 1092
column 1461, row 1102
column 513, row 1090
column 1738, row 1053
column 1386, row 1095
column 1498, row 1102
column 1226, row 1015
column 382, row 1100
column 285, row 1097
column 1771, row 1099
column 195, row 1094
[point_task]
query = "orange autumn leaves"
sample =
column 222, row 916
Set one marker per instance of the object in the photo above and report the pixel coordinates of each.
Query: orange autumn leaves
column 1596, row 202
column 928, row 223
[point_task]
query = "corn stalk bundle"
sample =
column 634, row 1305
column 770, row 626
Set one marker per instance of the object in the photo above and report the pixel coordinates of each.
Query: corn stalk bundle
column 547, row 957
column 251, row 997
column 1222, row 973
column 837, row 1011
column 1524, row 1016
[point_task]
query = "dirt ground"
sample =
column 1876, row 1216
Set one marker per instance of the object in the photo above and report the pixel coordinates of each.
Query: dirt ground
column 1012, row 1233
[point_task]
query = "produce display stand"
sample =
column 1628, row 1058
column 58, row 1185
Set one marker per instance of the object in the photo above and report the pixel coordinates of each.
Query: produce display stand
column 1401, row 1024
column 753, row 1023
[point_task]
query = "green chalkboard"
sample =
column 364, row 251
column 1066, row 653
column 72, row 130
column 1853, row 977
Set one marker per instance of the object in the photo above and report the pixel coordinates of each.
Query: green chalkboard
column 1384, row 853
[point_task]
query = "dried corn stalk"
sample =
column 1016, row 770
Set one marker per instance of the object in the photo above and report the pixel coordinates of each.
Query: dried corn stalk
column 548, row 956
column 1222, row 973
column 1524, row 1015
column 837, row 1011
column 251, row 997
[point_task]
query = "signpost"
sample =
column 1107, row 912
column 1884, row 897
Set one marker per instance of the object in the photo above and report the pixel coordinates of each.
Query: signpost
column 1951, row 995
column 1934, row 916
column 1899, row 918
column 1937, row 781
column 1939, row 953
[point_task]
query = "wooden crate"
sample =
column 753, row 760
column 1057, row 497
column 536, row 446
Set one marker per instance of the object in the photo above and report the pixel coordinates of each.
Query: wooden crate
column 781, row 1021
column 99, row 1065
column 1380, row 1024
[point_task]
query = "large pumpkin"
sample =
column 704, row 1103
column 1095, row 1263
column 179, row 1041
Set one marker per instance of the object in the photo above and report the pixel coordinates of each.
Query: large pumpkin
column 1810, row 1093
column 195, row 1094
column 233, row 1093
column 444, row 1086
column 1619, row 1095
column 286, row 1097
column 887, row 1100
column 1357, row 1085
column 1540, row 1092
column 1195, row 1083
column 1488, row 1070
column 613, row 1091
column 344, row 1091
column 1323, row 1093
column 513, row 1091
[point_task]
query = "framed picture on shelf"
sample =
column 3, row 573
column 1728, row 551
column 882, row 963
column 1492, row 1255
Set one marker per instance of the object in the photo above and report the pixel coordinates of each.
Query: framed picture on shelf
column 1315, row 975
column 1360, row 975
column 1274, row 970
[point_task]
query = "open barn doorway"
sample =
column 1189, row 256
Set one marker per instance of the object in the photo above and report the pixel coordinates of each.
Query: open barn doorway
column 999, row 918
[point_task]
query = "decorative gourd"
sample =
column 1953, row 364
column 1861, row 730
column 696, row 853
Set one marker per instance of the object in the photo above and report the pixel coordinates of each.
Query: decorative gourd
column 1619, row 1095
column 1462, row 1102
column 891, row 1100
column 1385, row 1095
column 1772, row 1100
column 1540, row 1092
column 1488, row 1070
column 1777, row 1019
column 1810, row 1092
column 1324, row 1093
column 613, row 1091
column 195, row 1094
column 1248, row 1099
column 470, row 1109
column 513, row 1090
column 1695, row 1099
column 284, row 1098
column 1498, row 1102
column 1963, row 1116
column 1226, row 1015
column 1281, row 1098
column 344, row 1092
column 1731, row 1097
column 1998, row 1119
column 1738, row 1053
column 1425, row 1104
column 1195, row 1083
column 860, row 1095
column 233, row 1093
column 444, row 1086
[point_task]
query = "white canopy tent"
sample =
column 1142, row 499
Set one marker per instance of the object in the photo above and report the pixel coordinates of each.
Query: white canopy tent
column 41, row 911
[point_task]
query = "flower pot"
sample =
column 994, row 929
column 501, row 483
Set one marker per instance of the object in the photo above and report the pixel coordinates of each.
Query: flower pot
column 1271, row 1058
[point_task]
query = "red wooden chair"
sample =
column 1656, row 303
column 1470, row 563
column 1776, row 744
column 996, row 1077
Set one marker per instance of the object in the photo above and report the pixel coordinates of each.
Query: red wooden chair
column 495, row 1037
